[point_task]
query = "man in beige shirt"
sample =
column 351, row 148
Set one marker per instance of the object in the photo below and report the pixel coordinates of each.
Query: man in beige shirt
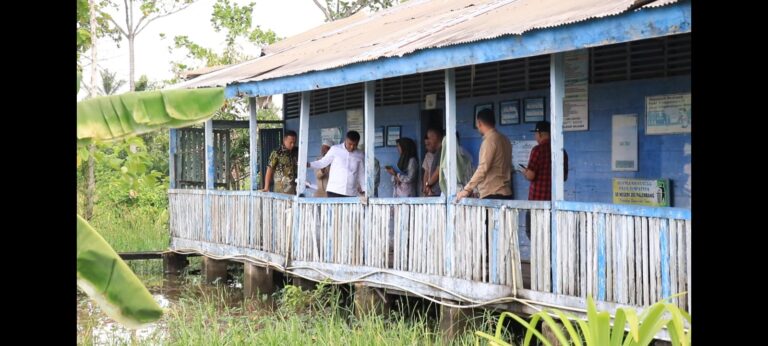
column 493, row 177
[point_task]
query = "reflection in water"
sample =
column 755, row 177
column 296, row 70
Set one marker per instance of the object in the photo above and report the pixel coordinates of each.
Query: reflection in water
column 96, row 328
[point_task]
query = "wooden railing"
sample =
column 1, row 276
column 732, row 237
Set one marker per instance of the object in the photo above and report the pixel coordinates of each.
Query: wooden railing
column 329, row 230
column 618, row 254
column 407, row 234
column 186, row 210
column 625, row 254
column 485, row 240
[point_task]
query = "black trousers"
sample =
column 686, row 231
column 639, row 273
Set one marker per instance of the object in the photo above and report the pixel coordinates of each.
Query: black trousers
column 334, row 194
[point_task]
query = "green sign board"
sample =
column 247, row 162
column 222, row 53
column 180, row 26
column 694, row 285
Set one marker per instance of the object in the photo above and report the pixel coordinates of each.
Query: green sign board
column 647, row 192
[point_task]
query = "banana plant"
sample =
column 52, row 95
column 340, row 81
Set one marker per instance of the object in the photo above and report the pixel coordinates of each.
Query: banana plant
column 101, row 273
column 596, row 330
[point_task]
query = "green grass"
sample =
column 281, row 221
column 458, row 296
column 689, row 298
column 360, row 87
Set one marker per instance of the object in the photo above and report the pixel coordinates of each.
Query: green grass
column 132, row 229
column 220, row 315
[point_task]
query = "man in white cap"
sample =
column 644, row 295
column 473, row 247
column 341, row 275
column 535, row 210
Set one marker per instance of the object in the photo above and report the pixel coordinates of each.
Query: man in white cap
column 322, row 174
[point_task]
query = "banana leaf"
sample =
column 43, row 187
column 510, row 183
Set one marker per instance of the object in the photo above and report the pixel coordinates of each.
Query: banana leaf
column 113, row 117
column 103, row 275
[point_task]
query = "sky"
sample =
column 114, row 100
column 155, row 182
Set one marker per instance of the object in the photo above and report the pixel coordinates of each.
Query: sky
column 285, row 17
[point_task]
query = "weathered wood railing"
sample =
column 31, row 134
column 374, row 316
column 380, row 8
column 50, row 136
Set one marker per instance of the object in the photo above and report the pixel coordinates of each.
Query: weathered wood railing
column 485, row 240
column 186, row 210
column 240, row 219
column 618, row 254
column 407, row 234
column 329, row 230
column 625, row 254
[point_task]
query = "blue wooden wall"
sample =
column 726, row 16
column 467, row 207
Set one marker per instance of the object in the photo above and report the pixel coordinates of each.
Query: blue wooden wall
column 590, row 176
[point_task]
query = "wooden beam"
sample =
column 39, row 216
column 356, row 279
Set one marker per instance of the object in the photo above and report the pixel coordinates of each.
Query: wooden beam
column 253, row 141
column 172, row 158
column 303, row 143
column 370, row 112
column 231, row 124
column 450, row 163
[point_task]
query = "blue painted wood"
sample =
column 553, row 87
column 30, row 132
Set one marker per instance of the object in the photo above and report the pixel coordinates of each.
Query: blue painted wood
column 172, row 158
column 557, row 92
column 664, row 251
column 636, row 25
column 303, row 143
column 660, row 156
column 407, row 200
column 495, row 247
column 273, row 195
column 370, row 116
column 324, row 200
column 207, row 216
column 329, row 233
column 601, row 264
column 553, row 247
column 253, row 142
column 230, row 193
column 450, row 121
column 632, row 210
column 210, row 164
column 497, row 203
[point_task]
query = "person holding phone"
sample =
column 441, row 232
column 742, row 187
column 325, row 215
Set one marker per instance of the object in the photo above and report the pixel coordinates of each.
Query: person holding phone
column 404, row 177
column 539, row 170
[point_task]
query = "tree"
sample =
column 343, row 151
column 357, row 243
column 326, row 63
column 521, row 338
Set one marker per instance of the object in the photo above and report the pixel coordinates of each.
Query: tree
column 109, row 82
column 146, row 11
column 237, row 24
column 336, row 9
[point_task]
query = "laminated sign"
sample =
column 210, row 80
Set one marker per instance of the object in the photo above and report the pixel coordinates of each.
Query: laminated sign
column 652, row 193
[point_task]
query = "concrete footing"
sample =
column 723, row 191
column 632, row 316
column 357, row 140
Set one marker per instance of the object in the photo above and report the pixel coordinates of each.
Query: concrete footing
column 258, row 280
column 214, row 269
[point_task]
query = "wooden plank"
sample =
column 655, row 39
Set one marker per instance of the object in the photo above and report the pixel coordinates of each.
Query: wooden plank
column 618, row 209
column 611, row 258
column 583, row 252
column 673, row 261
column 652, row 246
column 546, row 275
column 688, row 262
column 646, row 264
column 664, row 257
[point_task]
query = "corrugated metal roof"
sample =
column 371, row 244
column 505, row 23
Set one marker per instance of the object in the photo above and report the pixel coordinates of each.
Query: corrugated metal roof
column 411, row 26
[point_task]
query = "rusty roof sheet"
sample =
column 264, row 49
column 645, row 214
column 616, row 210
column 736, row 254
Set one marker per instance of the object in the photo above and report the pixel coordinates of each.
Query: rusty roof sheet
column 406, row 28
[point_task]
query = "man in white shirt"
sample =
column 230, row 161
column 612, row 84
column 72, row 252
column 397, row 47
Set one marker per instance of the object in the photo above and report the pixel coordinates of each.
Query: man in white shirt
column 347, row 176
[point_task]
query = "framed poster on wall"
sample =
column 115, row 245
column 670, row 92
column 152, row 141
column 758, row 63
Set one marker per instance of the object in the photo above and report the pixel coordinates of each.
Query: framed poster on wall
column 393, row 134
column 509, row 112
column 534, row 109
column 379, row 137
column 665, row 114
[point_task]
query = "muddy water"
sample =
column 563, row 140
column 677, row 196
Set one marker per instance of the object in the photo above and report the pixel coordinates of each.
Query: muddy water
column 94, row 327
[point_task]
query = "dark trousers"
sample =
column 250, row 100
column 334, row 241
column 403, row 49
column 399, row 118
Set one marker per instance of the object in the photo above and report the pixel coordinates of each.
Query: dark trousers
column 334, row 194
column 497, row 197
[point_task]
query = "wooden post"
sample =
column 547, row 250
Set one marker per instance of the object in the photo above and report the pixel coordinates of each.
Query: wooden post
column 370, row 300
column 253, row 130
column 305, row 284
column 303, row 143
column 172, row 158
column 450, row 162
column 210, row 179
column 556, row 91
column 370, row 90
column 257, row 280
column 214, row 269
column 550, row 335
column 453, row 322
column 174, row 264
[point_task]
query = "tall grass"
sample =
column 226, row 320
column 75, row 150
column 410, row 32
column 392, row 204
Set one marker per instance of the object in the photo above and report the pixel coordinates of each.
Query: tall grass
column 206, row 315
column 132, row 229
